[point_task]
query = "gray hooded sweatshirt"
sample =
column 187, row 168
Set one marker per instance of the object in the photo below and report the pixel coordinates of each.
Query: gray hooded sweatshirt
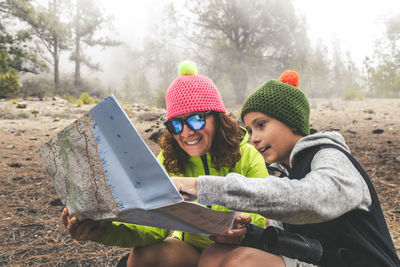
column 332, row 187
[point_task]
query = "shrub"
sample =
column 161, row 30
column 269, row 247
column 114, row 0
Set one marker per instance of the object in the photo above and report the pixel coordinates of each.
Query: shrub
column 354, row 92
column 14, row 101
column 8, row 76
column 7, row 115
column 86, row 98
column 9, row 82
column 38, row 86
column 69, row 98
column 23, row 115
column 79, row 103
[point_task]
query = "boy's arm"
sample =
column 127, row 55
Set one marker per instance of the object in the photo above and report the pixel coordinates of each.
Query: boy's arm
column 332, row 188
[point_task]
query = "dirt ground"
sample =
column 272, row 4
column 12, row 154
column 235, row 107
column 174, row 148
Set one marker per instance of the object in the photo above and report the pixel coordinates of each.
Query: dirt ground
column 30, row 226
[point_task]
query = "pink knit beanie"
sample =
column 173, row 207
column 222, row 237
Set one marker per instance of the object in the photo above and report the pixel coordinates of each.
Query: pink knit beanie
column 191, row 92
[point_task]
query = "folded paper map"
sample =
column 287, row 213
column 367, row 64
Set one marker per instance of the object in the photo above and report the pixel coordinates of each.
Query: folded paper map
column 103, row 170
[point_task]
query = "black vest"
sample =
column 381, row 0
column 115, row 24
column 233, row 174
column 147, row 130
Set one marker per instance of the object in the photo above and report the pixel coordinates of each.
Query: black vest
column 357, row 238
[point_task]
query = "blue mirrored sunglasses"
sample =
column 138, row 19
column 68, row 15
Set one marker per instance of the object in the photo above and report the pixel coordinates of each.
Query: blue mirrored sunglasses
column 194, row 122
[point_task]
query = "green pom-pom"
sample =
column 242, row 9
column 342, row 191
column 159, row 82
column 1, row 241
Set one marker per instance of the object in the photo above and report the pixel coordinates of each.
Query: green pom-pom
column 187, row 67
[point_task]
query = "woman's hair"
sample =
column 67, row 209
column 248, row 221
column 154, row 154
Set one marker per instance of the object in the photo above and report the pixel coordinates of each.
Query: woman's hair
column 225, row 149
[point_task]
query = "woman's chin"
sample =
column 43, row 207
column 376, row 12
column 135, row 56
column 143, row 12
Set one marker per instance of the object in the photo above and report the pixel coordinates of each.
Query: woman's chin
column 195, row 152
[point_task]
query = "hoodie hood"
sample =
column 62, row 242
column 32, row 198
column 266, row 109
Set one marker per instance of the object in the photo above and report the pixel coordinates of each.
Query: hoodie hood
column 316, row 139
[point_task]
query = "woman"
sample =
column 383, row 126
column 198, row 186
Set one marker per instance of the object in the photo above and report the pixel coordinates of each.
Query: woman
column 201, row 139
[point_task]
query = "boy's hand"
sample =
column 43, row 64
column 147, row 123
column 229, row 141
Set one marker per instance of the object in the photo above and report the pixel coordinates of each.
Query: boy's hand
column 84, row 230
column 236, row 235
column 187, row 186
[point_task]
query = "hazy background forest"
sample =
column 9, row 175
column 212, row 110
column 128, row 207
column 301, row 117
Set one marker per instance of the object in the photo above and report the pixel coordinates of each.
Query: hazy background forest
column 70, row 47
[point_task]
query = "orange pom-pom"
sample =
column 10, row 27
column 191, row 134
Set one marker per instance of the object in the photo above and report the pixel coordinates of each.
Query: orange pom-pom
column 290, row 77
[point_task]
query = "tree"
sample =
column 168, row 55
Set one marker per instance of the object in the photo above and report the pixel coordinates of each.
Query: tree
column 319, row 70
column 240, row 38
column 46, row 25
column 382, row 70
column 344, row 72
column 17, row 43
column 153, row 68
column 337, row 82
column 16, row 54
column 8, row 76
column 87, row 21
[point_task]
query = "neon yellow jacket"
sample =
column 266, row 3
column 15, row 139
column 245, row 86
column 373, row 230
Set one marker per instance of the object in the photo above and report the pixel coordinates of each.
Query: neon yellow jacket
column 120, row 234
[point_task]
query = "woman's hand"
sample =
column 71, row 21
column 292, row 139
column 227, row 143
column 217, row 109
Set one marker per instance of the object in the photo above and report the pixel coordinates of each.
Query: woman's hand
column 84, row 230
column 187, row 186
column 236, row 235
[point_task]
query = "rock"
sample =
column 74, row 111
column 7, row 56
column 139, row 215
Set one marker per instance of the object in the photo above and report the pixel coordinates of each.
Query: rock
column 56, row 202
column 18, row 178
column 15, row 165
column 377, row 131
column 10, row 147
column 148, row 116
column 60, row 100
column 35, row 113
column 21, row 105
column 398, row 158
column 154, row 137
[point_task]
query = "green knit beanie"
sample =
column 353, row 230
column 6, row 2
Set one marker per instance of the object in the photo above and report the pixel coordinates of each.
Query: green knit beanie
column 281, row 101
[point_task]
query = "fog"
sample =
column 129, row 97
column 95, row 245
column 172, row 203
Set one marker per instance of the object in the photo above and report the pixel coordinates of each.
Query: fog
column 356, row 25
column 335, row 45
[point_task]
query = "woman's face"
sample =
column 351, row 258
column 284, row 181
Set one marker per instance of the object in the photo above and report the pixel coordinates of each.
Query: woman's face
column 271, row 137
column 196, row 143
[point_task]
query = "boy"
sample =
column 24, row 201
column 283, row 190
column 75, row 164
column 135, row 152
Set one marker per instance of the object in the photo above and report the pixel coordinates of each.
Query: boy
column 326, row 196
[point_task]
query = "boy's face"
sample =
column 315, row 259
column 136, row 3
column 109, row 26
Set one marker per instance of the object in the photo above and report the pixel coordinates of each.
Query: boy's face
column 271, row 137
